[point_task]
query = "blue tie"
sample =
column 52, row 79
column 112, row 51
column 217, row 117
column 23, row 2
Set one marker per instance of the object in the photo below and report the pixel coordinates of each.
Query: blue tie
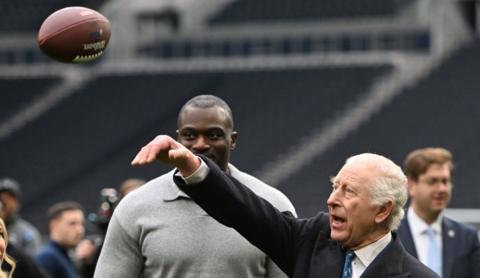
column 434, row 258
column 347, row 267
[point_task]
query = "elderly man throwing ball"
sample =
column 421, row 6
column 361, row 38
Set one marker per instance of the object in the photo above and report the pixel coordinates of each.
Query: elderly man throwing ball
column 354, row 239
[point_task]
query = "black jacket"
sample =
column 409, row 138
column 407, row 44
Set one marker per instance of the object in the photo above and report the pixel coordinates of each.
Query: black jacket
column 302, row 248
column 26, row 266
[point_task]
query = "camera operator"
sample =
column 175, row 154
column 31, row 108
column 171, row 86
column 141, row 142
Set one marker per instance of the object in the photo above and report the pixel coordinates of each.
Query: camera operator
column 88, row 250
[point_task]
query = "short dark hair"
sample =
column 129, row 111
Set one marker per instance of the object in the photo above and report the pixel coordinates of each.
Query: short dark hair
column 208, row 101
column 56, row 211
column 418, row 161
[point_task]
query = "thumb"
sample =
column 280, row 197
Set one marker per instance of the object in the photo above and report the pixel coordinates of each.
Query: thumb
column 178, row 154
column 185, row 161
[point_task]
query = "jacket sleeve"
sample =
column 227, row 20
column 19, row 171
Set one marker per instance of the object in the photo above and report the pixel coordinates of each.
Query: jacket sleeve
column 273, row 271
column 234, row 205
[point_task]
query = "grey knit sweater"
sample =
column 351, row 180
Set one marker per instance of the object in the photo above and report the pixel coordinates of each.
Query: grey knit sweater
column 157, row 231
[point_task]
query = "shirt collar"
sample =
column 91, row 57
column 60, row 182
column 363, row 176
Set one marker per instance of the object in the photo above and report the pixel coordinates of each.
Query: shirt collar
column 418, row 226
column 367, row 254
column 173, row 193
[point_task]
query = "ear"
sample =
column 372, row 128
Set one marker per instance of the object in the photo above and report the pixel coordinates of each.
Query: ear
column 52, row 224
column 233, row 138
column 178, row 133
column 384, row 211
column 411, row 186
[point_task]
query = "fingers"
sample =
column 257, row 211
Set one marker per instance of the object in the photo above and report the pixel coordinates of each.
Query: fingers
column 141, row 157
column 185, row 161
column 149, row 152
column 159, row 148
column 177, row 154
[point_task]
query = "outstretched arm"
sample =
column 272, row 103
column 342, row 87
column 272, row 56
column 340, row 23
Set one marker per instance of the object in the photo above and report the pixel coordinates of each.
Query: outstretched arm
column 230, row 202
column 167, row 150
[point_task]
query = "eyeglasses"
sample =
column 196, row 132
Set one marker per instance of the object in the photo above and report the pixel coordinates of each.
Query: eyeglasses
column 434, row 181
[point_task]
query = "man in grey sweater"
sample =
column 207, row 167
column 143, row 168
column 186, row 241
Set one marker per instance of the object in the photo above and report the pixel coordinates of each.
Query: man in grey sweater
column 158, row 231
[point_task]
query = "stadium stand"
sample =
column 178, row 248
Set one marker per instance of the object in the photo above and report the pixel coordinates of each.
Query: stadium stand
column 109, row 118
column 26, row 16
column 440, row 111
column 288, row 10
column 286, row 68
column 19, row 92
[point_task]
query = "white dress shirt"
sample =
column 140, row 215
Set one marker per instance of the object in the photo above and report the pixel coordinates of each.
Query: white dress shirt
column 365, row 255
column 418, row 229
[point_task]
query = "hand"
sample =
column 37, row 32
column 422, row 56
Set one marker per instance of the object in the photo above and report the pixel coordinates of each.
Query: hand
column 169, row 151
column 85, row 250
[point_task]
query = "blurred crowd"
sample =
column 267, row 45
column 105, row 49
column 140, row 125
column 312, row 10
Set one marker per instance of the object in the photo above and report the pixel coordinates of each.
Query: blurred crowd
column 157, row 231
column 68, row 250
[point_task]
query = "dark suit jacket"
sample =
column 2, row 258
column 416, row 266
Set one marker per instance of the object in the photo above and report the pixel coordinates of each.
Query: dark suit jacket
column 55, row 260
column 461, row 248
column 26, row 266
column 301, row 247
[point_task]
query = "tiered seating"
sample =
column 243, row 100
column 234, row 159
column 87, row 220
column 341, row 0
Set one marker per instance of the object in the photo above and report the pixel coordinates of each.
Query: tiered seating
column 281, row 10
column 440, row 111
column 26, row 16
column 109, row 120
column 16, row 93
column 266, row 14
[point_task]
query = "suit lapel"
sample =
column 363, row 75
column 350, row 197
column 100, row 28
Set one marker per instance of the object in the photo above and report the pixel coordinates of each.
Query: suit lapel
column 449, row 239
column 389, row 262
column 406, row 237
column 329, row 256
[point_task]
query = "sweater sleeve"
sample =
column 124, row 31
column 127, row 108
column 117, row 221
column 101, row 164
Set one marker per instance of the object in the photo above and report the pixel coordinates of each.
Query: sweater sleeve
column 120, row 255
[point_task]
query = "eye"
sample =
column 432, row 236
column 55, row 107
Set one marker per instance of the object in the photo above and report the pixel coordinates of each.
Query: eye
column 349, row 190
column 215, row 134
column 187, row 135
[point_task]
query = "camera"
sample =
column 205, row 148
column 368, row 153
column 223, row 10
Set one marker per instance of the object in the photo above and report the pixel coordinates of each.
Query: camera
column 109, row 198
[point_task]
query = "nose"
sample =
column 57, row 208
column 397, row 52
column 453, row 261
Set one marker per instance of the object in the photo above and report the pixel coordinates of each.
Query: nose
column 81, row 230
column 201, row 144
column 333, row 199
column 442, row 187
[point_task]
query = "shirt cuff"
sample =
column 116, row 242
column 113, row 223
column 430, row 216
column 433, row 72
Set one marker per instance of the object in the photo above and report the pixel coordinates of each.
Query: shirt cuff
column 199, row 175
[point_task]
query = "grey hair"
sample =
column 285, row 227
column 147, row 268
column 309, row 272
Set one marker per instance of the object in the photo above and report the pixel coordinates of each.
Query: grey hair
column 389, row 185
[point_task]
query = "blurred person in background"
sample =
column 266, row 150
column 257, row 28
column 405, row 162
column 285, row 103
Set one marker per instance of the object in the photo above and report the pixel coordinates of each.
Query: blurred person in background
column 88, row 250
column 129, row 185
column 450, row 248
column 158, row 231
column 4, row 257
column 66, row 226
column 22, row 234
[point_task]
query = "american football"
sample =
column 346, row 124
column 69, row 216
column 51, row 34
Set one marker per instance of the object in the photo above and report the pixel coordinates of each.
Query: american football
column 74, row 35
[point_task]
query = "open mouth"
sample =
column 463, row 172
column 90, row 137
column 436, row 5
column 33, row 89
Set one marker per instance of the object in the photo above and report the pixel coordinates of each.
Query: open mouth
column 337, row 222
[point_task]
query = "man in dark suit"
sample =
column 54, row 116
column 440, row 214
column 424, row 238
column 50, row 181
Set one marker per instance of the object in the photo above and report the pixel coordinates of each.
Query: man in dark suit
column 354, row 239
column 454, row 249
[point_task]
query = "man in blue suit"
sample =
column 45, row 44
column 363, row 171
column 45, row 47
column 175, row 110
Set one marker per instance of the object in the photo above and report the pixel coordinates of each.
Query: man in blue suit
column 448, row 247
column 66, row 226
